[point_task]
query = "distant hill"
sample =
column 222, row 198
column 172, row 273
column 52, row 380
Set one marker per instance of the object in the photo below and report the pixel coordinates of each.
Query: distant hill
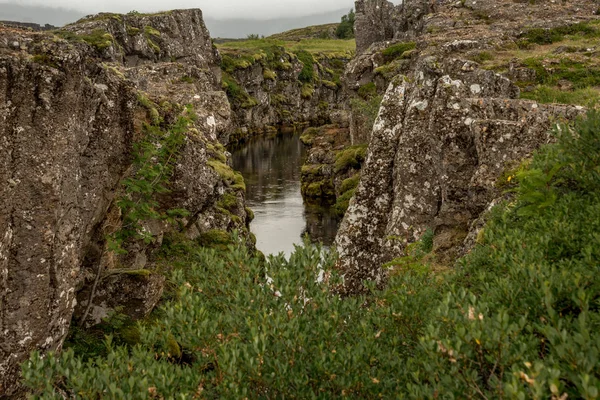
column 241, row 28
column 38, row 14
column 233, row 28
column 326, row 31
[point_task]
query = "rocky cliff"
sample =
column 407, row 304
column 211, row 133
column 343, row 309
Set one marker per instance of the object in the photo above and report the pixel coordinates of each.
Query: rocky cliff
column 109, row 136
column 448, row 128
column 271, row 87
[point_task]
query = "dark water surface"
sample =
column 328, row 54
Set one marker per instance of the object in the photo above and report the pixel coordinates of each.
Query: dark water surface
column 271, row 168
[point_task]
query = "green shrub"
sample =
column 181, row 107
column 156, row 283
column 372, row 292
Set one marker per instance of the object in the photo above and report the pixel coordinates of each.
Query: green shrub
column 518, row 318
column 345, row 30
column 307, row 74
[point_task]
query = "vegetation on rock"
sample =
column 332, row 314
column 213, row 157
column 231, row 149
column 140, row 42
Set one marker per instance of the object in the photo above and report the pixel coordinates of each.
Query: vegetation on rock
column 345, row 29
column 518, row 318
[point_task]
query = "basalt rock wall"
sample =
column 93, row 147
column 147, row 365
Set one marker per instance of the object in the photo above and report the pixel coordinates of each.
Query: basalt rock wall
column 444, row 135
column 72, row 109
column 273, row 96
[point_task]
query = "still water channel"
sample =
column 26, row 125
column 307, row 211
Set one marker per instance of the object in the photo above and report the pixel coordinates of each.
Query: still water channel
column 271, row 168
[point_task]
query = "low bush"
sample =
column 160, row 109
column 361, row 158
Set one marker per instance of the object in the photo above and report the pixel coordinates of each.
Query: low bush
column 519, row 317
column 307, row 74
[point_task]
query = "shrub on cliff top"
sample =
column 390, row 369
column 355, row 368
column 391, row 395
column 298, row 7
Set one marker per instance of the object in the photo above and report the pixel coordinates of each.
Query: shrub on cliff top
column 307, row 75
column 518, row 318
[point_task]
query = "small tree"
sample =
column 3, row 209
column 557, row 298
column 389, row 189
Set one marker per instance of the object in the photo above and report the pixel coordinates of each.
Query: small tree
column 345, row 29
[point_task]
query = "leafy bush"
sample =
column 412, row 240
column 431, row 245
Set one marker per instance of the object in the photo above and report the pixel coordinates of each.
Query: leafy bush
column 307, row 75
column 518, row 318
column 345, row 29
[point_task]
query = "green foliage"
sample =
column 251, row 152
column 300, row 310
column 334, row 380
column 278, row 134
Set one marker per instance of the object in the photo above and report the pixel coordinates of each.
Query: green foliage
column 397, row 50
column 44, row 59
column 308, row 136
column 581, row 74
column 321, row 189
column 228, row 202
column 345, row 30
column 154, row 160
column 347, row 190
column 98, row 38
column 350, row 183
column 307, row 75
column 268, row 74
column 369, row 109
column 236, row 93
column 553, row 35
column 350, row 157
column 482, row 57
column 215, row 239
column 150, row 31
column 232, row 179
column 368, row 90
column 518, row 318
column 417, row 255
column 308, row 89
column 132, row 31
column 587, row 97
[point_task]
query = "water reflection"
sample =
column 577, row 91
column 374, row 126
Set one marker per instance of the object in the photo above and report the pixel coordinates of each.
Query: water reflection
column 271, row 168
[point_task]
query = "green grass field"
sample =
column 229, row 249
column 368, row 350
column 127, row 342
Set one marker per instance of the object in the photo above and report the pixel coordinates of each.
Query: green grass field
column 326, row 47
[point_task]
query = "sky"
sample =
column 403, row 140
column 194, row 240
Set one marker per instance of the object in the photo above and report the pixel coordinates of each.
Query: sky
column 221, row 9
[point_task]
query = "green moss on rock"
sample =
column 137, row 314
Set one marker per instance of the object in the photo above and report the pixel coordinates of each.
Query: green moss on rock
column 351, row 157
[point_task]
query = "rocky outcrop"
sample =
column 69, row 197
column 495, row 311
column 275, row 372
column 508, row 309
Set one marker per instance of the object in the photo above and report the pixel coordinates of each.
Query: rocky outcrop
column 277, row 88
column 28, row 25
column 447, row 128
column 443, row 137
column 380, row 20
column 74, row 113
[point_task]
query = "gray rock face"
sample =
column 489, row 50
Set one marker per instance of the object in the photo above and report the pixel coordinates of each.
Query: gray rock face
column 65, row 139
column 376, row 21
column 69, row 117
column 380, row 20
column 443, row 136
column 283, row 100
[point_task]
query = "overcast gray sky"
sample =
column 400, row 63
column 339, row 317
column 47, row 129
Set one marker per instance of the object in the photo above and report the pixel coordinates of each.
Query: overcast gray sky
column 261, row 9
